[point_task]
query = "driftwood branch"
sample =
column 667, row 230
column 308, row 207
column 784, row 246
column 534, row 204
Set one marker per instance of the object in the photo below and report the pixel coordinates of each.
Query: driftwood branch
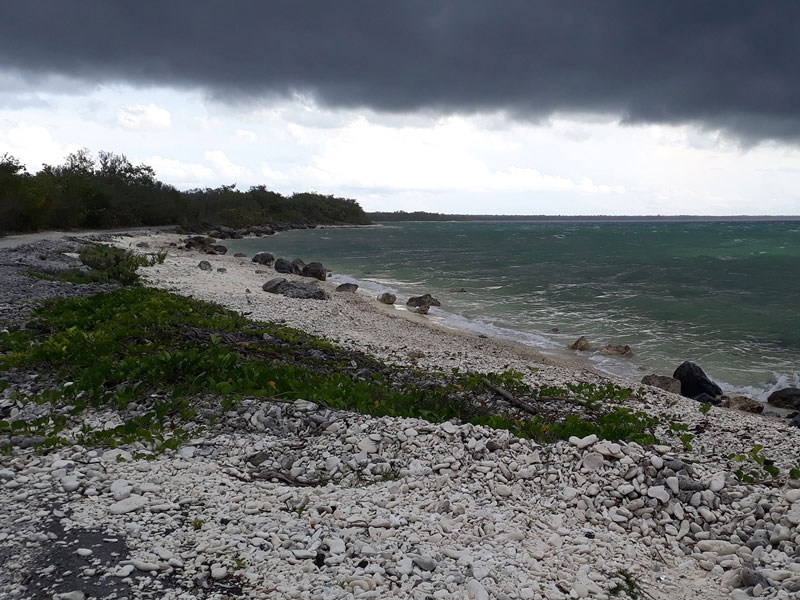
column 509, row 397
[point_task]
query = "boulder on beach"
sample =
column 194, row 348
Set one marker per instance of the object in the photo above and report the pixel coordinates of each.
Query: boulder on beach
column 662, row 381
column 294, row 289
column 387, row 298
column 240, row 255
column 617, row 350
column 785, row 398
column 581, row 344
column 263, row 258
column 315, row 270
column 347, row 287
column 283, row 266
column 422, row 309
column 742, row 403
column 216, row 249
column 297, row 266
column 204, row 265
column 695, row 382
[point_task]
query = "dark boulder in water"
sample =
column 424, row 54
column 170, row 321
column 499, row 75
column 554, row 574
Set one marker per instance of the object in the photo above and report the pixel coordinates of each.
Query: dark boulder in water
column 785, row 398
column 387, row 298
column 695, row 382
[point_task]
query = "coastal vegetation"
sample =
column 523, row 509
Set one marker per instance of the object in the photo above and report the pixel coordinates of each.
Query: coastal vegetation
column 111, row 192
column 168, row 355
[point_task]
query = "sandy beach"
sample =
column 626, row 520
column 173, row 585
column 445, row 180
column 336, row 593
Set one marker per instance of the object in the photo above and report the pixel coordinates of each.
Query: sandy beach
column 468, row 512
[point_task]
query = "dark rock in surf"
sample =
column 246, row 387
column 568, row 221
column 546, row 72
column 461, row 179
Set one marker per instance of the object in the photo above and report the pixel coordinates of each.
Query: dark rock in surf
column 668, row 384
column 263, row 258
column 240, row 255
column 704, row 398
column 785, row 398
column 617, row 350
column 422, row 309
column 425, row 299
column 581, row 344
column 218, row 249
column 387, row 298
column 695, row 382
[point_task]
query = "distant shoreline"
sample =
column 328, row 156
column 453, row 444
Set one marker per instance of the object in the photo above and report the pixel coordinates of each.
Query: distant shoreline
column 425, row 216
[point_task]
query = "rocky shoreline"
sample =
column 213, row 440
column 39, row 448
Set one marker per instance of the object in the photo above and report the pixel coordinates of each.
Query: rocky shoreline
column 296, row 500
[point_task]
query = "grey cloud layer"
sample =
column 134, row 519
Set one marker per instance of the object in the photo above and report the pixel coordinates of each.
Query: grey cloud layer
column 723, row 64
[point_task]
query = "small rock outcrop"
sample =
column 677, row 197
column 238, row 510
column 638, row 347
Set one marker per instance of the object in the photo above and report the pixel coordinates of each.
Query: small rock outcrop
column 347, row 287
column 294, row 289
column 264, row 258
column 695, row 382
column 581, row 344
column 742, row 403
column 297, row 266
column 668, row 384
column 387, row 298
column 417, row 301
column 617, row 350
column 785, row 398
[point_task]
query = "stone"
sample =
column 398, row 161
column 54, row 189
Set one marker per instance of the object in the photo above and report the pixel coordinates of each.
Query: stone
column 669, row 384
column 130, row 504
column 742, row 403
column 717, row 482
column 617, row 350
column 582, row 344
column 584, row 442
column 659, row 493
column 315, row 270
column 426, row 563
column 347, row 288
column 424, row 300
column 387, row 298
column 218, row 572
column 694, row 381
column 476, row 591
column 73, row 595
column 785, row 398
column 204, row 265
column 593, row 461
column 264, row 258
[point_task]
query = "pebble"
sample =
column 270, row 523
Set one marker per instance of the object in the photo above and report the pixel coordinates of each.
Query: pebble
column 130, row 504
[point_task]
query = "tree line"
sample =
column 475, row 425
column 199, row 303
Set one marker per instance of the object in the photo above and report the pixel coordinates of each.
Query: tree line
column 110, row 192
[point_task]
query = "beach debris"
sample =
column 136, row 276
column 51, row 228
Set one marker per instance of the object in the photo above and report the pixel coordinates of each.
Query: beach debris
column 294, row 289
column 785, row 398
column 695, row 382
column 204, row 265
column 509, row 397
column 387, row 298
column 581, row 344
column 263, row 258
column 347, row 287
column 669, row 384
column 616, row 350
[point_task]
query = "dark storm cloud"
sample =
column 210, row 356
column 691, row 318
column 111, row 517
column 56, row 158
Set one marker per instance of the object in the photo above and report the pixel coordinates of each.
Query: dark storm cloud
column 722, row 64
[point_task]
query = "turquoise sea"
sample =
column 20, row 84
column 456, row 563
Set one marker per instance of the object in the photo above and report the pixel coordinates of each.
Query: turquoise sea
column 725, row 295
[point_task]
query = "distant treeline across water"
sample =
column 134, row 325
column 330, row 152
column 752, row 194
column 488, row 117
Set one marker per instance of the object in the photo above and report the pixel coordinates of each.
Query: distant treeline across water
column 110, row 192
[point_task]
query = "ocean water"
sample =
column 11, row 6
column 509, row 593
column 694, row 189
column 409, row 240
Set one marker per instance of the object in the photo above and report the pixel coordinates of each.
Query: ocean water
column 725, row 295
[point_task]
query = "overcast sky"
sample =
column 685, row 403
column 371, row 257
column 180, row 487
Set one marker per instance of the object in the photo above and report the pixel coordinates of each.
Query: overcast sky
column 458, row 106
